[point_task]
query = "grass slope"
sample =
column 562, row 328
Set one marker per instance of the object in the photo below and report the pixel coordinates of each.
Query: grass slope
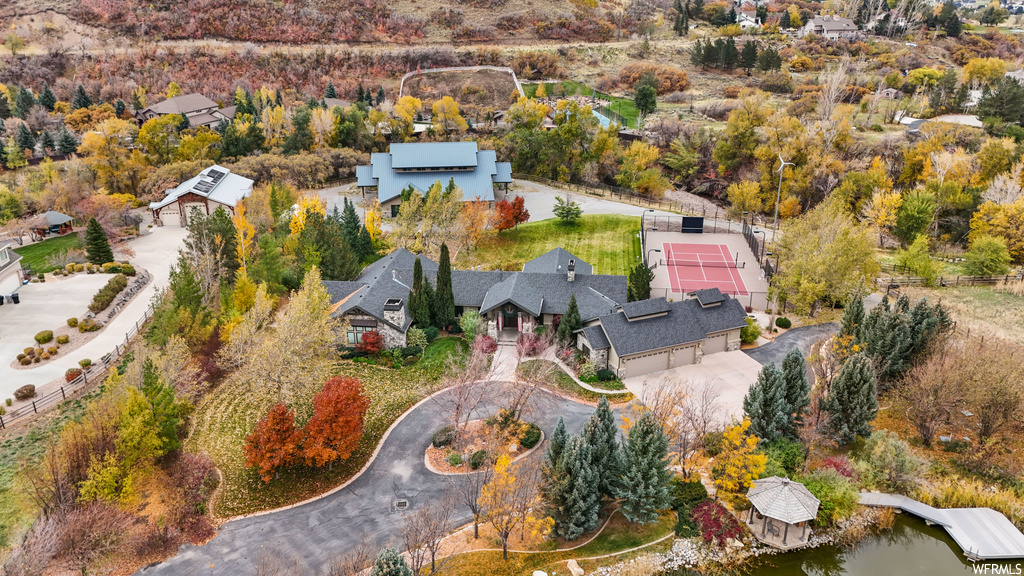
column 608, row 242
column 226, row 416
column 34, row 256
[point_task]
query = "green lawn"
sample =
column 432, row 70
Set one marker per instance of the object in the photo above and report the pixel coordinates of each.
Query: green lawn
column 622, row 106
column 226, row 416
column 565, row 383
column 608, row 242
column 34, row 256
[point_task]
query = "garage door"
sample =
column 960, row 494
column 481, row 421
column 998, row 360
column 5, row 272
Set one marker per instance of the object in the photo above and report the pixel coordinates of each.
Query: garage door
column 189, row 208
column 170, row 216
column 645, row 364
column 715, row 344
column 683, row 356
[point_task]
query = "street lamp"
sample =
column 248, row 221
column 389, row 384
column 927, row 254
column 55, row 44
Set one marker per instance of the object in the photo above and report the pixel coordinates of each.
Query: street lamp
column 763, row 246
column 643, row 239
column 776, row 259
column 658, row 250
column 778, row 195
column 654, row 228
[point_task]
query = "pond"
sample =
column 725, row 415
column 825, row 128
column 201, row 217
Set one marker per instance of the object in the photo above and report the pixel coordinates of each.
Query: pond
column 911, row 548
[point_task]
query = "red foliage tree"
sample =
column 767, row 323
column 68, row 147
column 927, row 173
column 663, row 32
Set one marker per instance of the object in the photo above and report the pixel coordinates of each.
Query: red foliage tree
column 484, row 344
column 274, row 443
column 519, row 212
column 371, row 342
column 716, row 523
column 504, row 216
column 337, row 423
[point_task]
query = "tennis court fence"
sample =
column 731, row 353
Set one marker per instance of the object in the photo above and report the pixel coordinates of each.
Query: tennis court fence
column 701, row 263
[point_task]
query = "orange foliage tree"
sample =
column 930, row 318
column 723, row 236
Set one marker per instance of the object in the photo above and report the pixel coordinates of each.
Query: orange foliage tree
column 510, row 214
column 337, row 423
column 274, row 443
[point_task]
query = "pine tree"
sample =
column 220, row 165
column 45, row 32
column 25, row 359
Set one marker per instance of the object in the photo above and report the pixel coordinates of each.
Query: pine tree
column 25, row 139
column 330, row 92
column 553, row 476
column 582, row 501
column 390, row 563
column 697, row 53
column 24, row 102
column 748, row 56
column 81, row 99
column 444, row 297
column 167, row 412
column 47, row 142
column 186, row 293
column 852, row 402
column 380, row 95
column 350, row 225
column 120, row 108
column 301, row 137
column 5, row 109
column 278, row 100
column 66, row 143
column 601, row 433
column 47, row 99
column 853, row 317
column 364, row 245
column 639, row 285
column 183, row 123
column 684, row 19
column 954, row 27
column 644, row 487
column 570, row 323
column 360, row 93
column 97, row 247
column 730, row 55
column 798, row 390
column 418, row 308
column 765, row 403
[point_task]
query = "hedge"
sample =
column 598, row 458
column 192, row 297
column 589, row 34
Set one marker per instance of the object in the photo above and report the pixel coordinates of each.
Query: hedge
column 529, row 435
column 106, row 295
column 88, row 325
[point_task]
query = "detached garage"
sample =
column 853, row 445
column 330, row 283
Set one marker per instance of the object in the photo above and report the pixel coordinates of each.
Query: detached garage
column 215, row 187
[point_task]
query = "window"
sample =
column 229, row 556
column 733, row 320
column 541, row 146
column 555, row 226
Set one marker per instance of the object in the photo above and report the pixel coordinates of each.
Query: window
column 355, row 333
column 394, row 210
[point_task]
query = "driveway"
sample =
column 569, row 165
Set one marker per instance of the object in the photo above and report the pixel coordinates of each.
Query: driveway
column 308, row 536
column 802, row 337
column 47, row 306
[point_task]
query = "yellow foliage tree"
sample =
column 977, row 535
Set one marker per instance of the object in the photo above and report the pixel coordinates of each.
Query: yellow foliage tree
column 106, row 151
column 739, row 463
column 373, row 220
column 638, row 169
column 274, row 123
column 794, row 16
column 743, row 197
column 246, row 234
column 984, row 70
column 321, row 124
column 174, row 90
column 527, row 113
column 881, row 210
column 1003, row 220
column 307, row 204
column 447, row 117
column 511, row 500
column 541, row 92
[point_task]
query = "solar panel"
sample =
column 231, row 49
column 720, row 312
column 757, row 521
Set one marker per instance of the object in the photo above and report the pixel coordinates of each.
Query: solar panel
column 203, row 186
column 215, row 175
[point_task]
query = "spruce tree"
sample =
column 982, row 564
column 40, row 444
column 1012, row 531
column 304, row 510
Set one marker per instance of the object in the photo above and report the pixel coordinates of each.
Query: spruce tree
column 301, row 137
column 730, row 55
column 644, row 487
column 582, row 500
column 852, row 402
column 120, row 108
column 350, row 224
column 444, row 297
column 853, row 317
column 553, row 477
column 390, row 563
column 47, row 99
column 5, row 109
column 798, row 390
column 639, row 285
column 66, row 142
column 278, row 101
column 954, row 27
column 364, row 245
column 25, row 139
column 47, row 141
column 97, row 247
column 380, row 95
column 601, row 433
column 748, row 56
column 570, row 323
column 186, row 293
column 80, row 99
column 765, row 403
column 24, row 102
column 183, row 123
column 330, row 92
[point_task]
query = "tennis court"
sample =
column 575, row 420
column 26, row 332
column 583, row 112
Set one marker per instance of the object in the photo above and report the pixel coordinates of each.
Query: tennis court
column 693, row 267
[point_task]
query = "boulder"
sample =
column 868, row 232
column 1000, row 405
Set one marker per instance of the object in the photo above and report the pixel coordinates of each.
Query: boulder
column 574, row 568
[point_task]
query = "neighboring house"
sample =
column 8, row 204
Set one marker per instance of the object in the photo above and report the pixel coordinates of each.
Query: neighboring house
column 652, row 335
column 830, row 28
column 50, row 223
column 200, row 110
column 213, row 188
column 515, row 302
column 890, row 94
column 420, row 165
column 1017, row 75
column 332, row 102
column 748, row 21
column 10, row 270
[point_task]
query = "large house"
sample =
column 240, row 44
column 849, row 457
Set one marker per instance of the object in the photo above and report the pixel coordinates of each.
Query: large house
column 10, row 270
column 200, row 110
column 420, row 165
column 830, row 28
column 215, row 187
column 631, row 338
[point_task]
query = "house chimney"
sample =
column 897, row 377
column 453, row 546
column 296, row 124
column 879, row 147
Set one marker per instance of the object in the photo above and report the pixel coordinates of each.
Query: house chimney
column 394, row 311
column 572, row 270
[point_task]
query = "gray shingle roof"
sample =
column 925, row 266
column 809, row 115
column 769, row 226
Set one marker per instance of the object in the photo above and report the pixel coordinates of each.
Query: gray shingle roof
column 709, row 296
column 557, row 260
column 686, row 321
column 516, row 289
column 595, row 335
column 186, row 103
column 641, row 308
column 783, row 499
column 389, row 277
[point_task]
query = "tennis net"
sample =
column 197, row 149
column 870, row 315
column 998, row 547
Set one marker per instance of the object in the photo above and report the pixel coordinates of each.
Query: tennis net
column 701, row 264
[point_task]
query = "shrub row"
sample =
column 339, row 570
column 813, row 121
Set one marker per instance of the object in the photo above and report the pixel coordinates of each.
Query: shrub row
column 106, row 295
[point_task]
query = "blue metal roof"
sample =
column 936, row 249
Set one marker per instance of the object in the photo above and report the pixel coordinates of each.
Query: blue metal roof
column 364, row 176
column 434, row 155
column 504, row 175
column 476, row 184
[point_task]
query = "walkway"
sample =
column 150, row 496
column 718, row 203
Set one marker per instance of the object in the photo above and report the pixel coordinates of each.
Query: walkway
column 308, row 536
column 982, row 533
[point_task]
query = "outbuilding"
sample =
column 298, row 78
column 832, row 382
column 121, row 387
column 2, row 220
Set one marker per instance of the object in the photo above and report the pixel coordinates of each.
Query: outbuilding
column 780, row 506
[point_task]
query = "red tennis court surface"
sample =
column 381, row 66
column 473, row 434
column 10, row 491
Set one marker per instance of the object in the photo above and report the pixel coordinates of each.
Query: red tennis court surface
column 693, row 267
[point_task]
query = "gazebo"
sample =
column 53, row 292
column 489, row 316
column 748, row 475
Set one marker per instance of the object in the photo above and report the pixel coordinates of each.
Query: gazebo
column 50, row 223
column 777, row 501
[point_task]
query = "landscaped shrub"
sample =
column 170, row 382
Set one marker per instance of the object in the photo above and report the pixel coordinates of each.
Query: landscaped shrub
column 529, row 435
column 716, row 523
column 30, row 351
column 685, row 526
column 416, row 337
column 431, row 332
column 25, row 392
column 714, row 442
column 410, row 351
column 106, row 295
column 45, row 355
column 528, row 344
column 85, row 362
column 63, row 339
column 588, row 372
column 604, row 375
column 788, row 454
column 8, row 401
column 371, row 343
column 837, row 494
column 783, row 322
column 484, row 344
column 686, row 494
column 455, row 460
column 72, row 322
column 750, row 333
column 478, row 459
column 840, row 465
column 88, row 325
column 25, row 361
column 52, row 350
column 44, row 336
column 71, row 374
column 887, row 463
column 444, row 436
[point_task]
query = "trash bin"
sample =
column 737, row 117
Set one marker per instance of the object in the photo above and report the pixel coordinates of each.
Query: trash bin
column 15, row 298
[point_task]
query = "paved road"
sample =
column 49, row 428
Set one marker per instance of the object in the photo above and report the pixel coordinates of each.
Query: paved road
column 803, row 338
column 309, row 535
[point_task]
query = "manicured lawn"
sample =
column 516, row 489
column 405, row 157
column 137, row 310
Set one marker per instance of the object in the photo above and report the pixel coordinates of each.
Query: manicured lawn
column 608, row 242
column 34, row 256
column 565, row 384
column 225, row 417
column 622, row 106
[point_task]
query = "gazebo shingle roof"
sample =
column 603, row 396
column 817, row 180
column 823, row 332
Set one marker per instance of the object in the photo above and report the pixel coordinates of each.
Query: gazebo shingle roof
column 783, row 499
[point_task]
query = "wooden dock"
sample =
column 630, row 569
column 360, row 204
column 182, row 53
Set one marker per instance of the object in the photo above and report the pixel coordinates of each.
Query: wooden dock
column 982, row 533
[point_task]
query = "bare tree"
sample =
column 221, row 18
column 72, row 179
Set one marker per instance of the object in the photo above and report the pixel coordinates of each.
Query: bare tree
column 36, row 550
column 518, row 394
column 352, row 563
column 992, row 372
column 467, row 489
column 48, row 485
column 1005, row 188
column 465, row 392
column 90, row 532
column 833, row 89
column 425, row 530
column 274, row 563
column 933, row 390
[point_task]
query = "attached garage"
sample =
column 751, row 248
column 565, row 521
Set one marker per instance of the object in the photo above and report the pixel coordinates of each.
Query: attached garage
column 190, row 208
column 169, row 215
column 644, row 364
column 715, row 343
column 684, row 356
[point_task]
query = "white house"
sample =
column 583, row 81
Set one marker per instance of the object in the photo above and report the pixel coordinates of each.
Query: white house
column 215, row 187
column 830, row 28
column 10, row 270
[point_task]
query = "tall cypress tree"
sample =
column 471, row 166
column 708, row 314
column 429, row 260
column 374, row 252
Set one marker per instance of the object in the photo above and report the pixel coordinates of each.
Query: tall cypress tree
column 47, row 99
column 582, row 500
column 183, row 122
column 798, row 389
column 444, row 297
column 427, row 302
column 570, row 323
column 419, row 307
column 601, row 433
column 644, row 487
column 80, row 99
column 852, row 402
column 765, row 403
column 97, row 247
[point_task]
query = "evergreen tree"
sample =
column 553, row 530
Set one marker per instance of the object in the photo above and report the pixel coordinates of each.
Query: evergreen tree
column 5, row 109
column 698, row 9
column 444, row 297
column 380, row 95
column 582, row 500
column 25, row 139
column 419, row 308
column 601, row 433
column 47, row 141
column 183, row 122
column 852, row 402
column 638, row 286
column 730, row 55
column 428, row 301
column 120, row 108
column 81, row 99
column 798, row 390
column 954, row 27
column 329, row 92
column 324, row 245
column 732, row 15
column 697, row 53
column 167, row 413
column 684, row 18
column 644, row 487
column 278, row 101
column 553, row 476
column 784, row 20
column 364, row 245
column 360, row 93
column 349, row 221
column 47, row 99
column 765, row 403
column 748, row 56
column 66, row 142
column 769, row 59
column 645, row 98
column 853, row 317
column 23, row 102
column 97, row 247
column 570, row 323
column 186, row 293
column 390, row 563
column 301, row 137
